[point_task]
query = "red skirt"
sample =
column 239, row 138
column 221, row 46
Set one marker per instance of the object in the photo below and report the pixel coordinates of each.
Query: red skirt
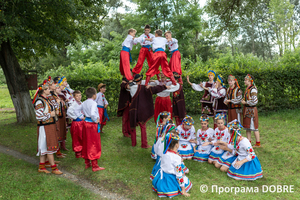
column 76, row 133
column 162, row 104
column 91, row 141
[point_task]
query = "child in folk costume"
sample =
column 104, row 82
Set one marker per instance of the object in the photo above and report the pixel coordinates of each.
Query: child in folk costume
column 225, row 161
column 159, row 57
column 47, row 133
column 125, row 55
column 145, row 52
column 175, row 60
column 218, row 92
column 91, row 141
column 207, row 99
column 159, row 146
column 170, row 180
column 102, row 106
column 162, row 101
column 187, row 137
column 233, row 99
column 203, row 135
column 250, row 119
column 161, row 123
column 220, row 134
column 246, row 166
column 62, row 115
column 76, row 114
column 179, row 111
column 123, row 108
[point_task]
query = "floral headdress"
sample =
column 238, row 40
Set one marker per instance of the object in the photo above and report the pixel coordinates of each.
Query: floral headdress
column 220, row 116
column 235, row 129
column 211, row 72
column 220, row 80
column 169, row 137
column 231, row 77
column 184, row 121
column 43, row 86
column 50, row 80
column 248, row 76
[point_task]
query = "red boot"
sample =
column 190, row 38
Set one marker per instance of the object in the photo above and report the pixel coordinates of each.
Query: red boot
column 173, row 80
column 87, row 163
column 147, row 80
column 95, row 166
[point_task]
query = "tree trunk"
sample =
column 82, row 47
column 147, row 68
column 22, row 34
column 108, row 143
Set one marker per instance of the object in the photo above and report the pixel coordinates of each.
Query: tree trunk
column 17, row 84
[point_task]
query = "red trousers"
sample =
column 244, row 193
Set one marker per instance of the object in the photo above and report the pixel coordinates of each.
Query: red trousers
column 125, row 65
column 159, row 59
column 126, row 122
column 91, row 141
column 143, row 136
column 144, row 53
column 101, row 117
column 175, row 62
column 76, row 134
column 162, row 104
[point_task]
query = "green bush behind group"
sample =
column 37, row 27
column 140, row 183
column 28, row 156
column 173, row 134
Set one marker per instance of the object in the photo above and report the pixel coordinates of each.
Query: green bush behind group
column 277, row 80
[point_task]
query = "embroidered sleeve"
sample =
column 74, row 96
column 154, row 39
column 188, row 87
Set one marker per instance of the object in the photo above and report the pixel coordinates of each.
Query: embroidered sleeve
column 173, row 88
column 39, row 112
column 217, row 94
column 197, row 87
column 71, row 111
column 238, row 97
column 253, row 98
column 179, row 175
column 251, row 155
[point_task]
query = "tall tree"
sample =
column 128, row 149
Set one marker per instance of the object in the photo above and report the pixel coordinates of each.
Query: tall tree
column 30, row 28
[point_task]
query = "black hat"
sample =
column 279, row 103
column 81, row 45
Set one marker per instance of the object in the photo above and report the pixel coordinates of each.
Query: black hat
column 137, row 78
column 125, row 79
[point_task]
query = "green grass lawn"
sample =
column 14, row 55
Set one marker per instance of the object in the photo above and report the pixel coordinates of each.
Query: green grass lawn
column 5, row 100
column 128, row 168
column 20, row 180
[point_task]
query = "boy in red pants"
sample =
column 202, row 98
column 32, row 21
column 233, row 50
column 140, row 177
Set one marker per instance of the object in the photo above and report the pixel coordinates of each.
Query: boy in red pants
column 91, row 141
column 102, row 105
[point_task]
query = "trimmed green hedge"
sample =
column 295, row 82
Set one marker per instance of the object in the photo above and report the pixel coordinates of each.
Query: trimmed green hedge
column 277, row 80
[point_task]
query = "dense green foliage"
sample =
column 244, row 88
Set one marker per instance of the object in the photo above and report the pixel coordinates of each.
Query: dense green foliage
column 277, row 80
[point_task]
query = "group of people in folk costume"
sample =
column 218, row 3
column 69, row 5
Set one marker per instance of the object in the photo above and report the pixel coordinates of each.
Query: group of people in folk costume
column 56, row 105
column 222, row 146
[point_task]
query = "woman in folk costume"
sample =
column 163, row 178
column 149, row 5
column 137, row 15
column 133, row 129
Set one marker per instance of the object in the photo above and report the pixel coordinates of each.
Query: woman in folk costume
column 47, row 133
column 207, row 99
column 203, row 135
column 161, row 124
column 250, row 120
column 159, row 146
column 187, row 137
column 220, row 134
column 233, row 99
column 162, row 101
column 246, row 166
column 229, row 156
column 170, row 180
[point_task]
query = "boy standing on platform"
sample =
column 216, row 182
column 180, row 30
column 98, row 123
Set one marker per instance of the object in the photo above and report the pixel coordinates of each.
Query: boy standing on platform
column 145, row 52
column 159, row 58
column 91, row 141
column 175, row 60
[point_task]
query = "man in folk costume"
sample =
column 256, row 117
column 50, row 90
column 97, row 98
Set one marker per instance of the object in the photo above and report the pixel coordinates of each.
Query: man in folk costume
column 47, row 133
column 179, row 111
column 123, row 108
column 141, row 107
column 145, row 52
column 206, row 100
column 250, row 119
column 233, row 99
